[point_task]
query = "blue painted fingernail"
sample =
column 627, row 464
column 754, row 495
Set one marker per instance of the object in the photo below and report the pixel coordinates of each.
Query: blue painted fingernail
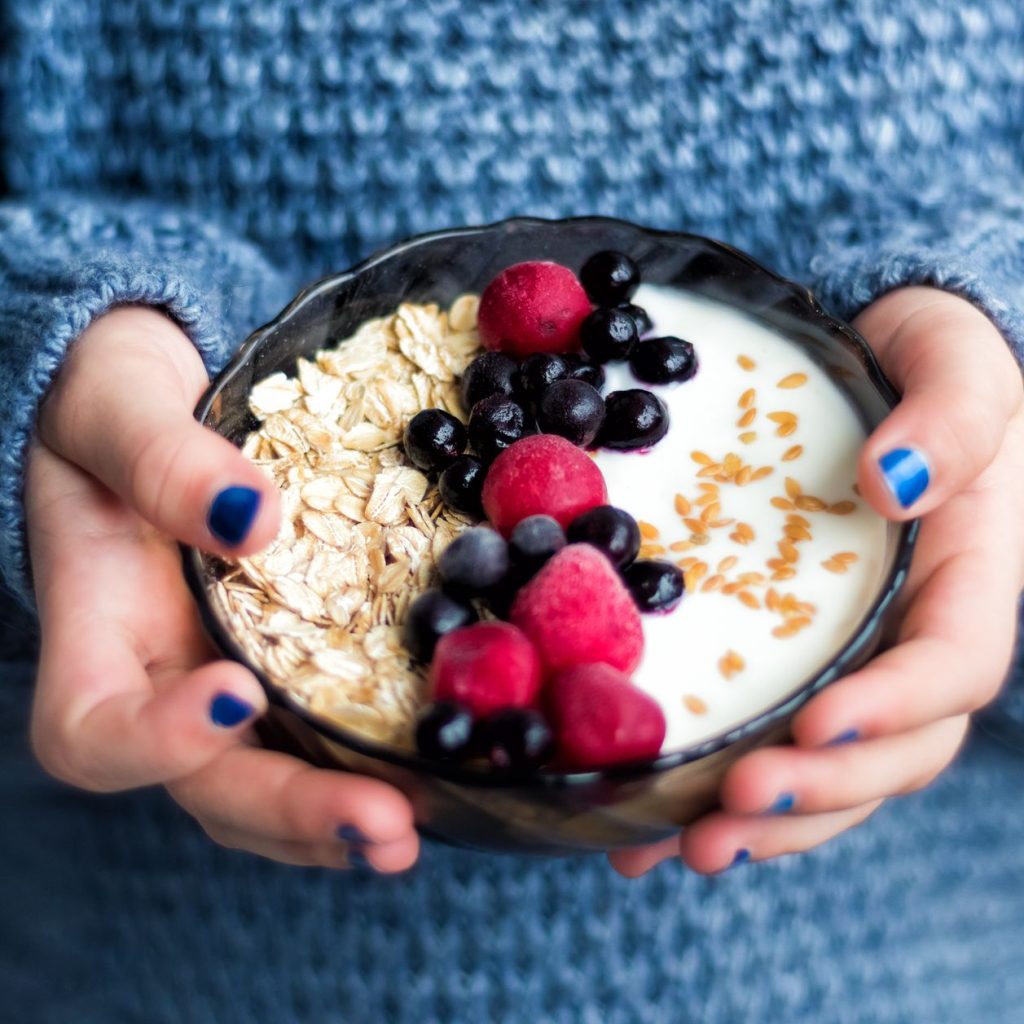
column 232, row 514
column 352, row 834
column 227, row 710
column 846, row 736
column 905, row 471
column 357, row 860
column 742, row 856
column 783, row 802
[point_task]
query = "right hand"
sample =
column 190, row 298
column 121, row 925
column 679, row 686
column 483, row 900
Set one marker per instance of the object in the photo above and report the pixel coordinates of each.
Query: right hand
column 130, row 692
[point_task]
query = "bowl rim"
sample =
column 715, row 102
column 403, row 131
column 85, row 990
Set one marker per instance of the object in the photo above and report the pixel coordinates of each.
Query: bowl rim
column 457, row 772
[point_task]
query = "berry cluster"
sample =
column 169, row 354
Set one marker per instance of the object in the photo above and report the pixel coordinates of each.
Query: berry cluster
column 550, row 684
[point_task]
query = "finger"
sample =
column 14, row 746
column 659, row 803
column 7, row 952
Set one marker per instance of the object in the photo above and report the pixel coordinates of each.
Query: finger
column 133, row 430
column 720, row 840
column 791, row 780
column 282, row 798
column 954, row 650
column 960, row 387
column 98, row 724
column 337, row 854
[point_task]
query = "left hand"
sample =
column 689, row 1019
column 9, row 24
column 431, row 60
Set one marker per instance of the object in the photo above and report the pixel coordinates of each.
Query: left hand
column 962, row 410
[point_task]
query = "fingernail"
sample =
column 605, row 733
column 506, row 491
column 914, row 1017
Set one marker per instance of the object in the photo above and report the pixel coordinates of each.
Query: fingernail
column 783, row 802
column 905, row 471
column 847, row 736
column 353, row 834
column 232, row 514
column 742, row 856
column 357, row 860
column 227, row 710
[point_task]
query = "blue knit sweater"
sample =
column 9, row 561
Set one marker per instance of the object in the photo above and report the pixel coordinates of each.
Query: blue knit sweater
column 207, row 157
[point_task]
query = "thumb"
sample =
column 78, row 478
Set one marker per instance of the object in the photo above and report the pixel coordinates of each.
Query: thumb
column 121, row 409
column 960, row 388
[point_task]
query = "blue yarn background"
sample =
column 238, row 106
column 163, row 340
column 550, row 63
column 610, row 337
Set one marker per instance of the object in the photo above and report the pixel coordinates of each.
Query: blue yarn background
column 209, row 156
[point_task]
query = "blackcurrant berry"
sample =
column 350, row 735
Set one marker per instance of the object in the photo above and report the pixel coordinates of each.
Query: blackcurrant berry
column 430, row 616
column 610, row 278
column 492, row 373
column 583, row 369
column 611, row 530
column 534, row 540
column 538, row 372
column 515, row 740
column 640, row 316
column 633, row 419
column 494, row 424
column 573, row 409
column 474, row 562
column 444, row 731
column 433, row 438
column 608, row 334
column 655, row 586
column 460, row 486
column 663, row 360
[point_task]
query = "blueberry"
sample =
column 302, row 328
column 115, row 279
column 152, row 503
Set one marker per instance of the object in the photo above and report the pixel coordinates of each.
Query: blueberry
column 655, row 586
column 444, row 731
column 611, row 530
column 433, row 438
column 514, row 740
column 633, row 419
column 663, row 360
column 608, row 334
column 474, row 562
column 610, row 278
column 573, row 409
column 461, row 485
column 494, row 424
column 538, row 372
column 640, row 316
column 430, row 616
column 534, row 540
column 492, row 373
column 583, row 369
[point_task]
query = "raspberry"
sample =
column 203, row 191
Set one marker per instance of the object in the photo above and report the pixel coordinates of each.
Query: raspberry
column 600, row 718
column 576, row 610
column 533, row 307
column 541, row 475
column 486, row 666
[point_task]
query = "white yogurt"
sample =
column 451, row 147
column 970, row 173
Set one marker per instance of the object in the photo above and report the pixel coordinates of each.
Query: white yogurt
column 683, row 650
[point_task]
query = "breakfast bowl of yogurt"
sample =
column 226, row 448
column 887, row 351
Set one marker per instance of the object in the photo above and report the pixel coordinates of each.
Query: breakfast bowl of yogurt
column 570, row 523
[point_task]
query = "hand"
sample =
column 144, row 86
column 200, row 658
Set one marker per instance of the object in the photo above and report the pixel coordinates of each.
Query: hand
column 129, row 693
column 904, row 715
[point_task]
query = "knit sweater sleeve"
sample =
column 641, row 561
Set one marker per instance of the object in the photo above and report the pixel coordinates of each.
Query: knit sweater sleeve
column 64, row 261
column 975, row 250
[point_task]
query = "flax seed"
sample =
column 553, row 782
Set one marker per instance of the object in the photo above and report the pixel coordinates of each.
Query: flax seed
column 648, row 530
column 793, row 488
column 695, row 525
column 727, row 563
column 713, row 582
column 701, row 458
column 744, row 476
column 748, row 436
column 748, row 398
column 747, row 418
column 788, row 551
column 762, row 472
column 695, row 705
column 793, row 380
column 795, row 519
column 783, row 503
column 682, row 505
column 797, row 533
column 679, row 545
column 746, row 362
column 793, row 453
column 785, row 429
column 808, row 503
column 749, row 599
column 711, row 512
column 786, row 573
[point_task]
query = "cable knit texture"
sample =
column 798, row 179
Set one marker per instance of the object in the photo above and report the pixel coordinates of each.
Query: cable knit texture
column 207, row 157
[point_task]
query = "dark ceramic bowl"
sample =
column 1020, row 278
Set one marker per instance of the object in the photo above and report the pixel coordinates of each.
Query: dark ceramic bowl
column 551, row 813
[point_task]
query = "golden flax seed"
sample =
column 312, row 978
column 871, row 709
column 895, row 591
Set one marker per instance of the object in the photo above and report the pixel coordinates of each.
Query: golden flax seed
column 652, row 550
column 793, row 453
column 701, row 458
column 695, row 525
column 727, row 563
column 793, row 380
column 695, row 705
column 746, row 362
column 842, row 508
column 749, row 599
column 679, row 545
column 785, row 429
column 708, row 497
column 797, row 533
column 713, row 582
column 793, row 488
column 682, row 505
column 795, row 519
column 748, row 398
column 711, row 512
column 751, row 577
column 788, row 551
column 783, row 503
column 747, row 418
column 833, row 566
column 744, row 476
column 808, row 503
column 648, row 530
column 786, row 573
column 782, row 416
column 762, row 472
column 748, row 436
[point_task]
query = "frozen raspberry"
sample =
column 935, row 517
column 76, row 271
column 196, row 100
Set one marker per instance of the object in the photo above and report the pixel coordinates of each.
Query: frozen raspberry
column 541, row 475
column 486, row 666
column 577, row 610
column 600, row 718
column 533, row 307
